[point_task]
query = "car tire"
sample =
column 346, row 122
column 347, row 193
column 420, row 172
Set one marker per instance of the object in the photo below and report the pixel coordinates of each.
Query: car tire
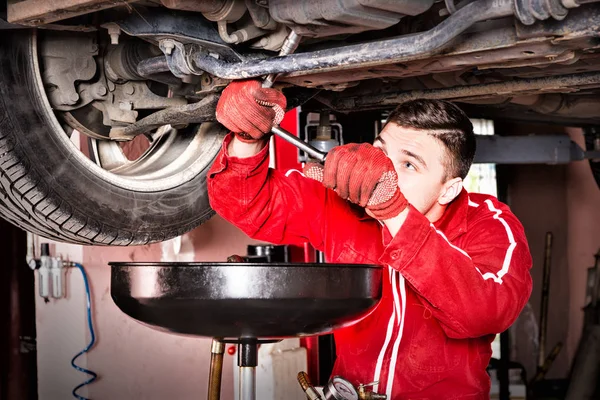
column 47, row 186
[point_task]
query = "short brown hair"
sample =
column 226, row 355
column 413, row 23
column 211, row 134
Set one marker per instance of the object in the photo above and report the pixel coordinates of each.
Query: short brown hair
column 447, row 123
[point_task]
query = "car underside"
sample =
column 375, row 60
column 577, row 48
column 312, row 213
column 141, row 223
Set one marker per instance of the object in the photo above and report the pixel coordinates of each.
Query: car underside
column 118, row 72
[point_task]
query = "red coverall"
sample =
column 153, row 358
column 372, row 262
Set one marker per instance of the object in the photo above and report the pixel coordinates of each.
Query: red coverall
column 448, row 287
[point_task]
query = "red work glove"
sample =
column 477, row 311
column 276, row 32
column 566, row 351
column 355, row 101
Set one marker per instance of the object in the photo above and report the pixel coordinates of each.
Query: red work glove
column 364, row 175
column 249, row 110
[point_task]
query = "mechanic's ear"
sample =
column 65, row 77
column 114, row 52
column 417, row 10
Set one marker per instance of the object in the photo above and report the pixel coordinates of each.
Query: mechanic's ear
column 450, row 191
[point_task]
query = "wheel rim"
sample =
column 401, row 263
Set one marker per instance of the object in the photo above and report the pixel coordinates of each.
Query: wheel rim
column 173, row 157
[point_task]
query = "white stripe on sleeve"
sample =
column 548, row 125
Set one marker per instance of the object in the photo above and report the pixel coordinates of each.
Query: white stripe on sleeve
column 511, row 247
column 447, row 241
column 511, row 244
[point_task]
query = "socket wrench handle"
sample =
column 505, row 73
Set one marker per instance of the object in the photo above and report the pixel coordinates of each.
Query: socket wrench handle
column 289, row 46
column 302, row 145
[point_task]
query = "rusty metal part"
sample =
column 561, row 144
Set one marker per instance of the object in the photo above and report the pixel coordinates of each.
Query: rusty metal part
column 561, row 104
column 365, row 55
column 214, row 10
column 324, row 18
column 68, row 28
column 530, row 11
column 159, row 24
column 121, row 105
column 204, row 6
column 272, row 40
column 116, row 114
column 562, row 46
column 139, row 95
column 497, row 49
column 260, row 16
column 231, row 11
column 87, row 92
column 563, row 83
column 65, row 60
column 216, row 369
column 210, row 84
column 257, row 24
column 177, row 58
column 247, row 32
column 199, row 112
column 74, row 123
column 451, row 7
column 120, row 62
column 40, row 12
column 581, row 20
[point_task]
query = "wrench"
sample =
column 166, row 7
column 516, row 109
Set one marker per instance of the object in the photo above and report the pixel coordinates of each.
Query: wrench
column 288, row 47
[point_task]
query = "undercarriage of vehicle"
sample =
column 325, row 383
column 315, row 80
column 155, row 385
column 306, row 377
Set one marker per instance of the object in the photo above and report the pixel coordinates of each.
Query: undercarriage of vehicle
column 108, row 73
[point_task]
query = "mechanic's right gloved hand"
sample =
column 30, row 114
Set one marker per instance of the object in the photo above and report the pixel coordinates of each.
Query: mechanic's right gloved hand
column 249, row 110
column 363, row 175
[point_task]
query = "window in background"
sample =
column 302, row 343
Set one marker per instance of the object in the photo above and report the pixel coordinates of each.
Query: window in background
column 482, row 177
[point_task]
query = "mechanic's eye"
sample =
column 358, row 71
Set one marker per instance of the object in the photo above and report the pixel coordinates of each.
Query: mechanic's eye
column 408, row 165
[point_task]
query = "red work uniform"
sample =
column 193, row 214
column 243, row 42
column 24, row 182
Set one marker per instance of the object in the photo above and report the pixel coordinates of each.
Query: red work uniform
column 448, row 286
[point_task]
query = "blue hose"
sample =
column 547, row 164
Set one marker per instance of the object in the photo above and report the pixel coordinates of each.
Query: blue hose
column 92, row 374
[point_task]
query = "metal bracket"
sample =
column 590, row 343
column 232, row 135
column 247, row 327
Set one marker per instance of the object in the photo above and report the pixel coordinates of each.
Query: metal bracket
column 156, row 24
column 177, row 59
column 534, row 149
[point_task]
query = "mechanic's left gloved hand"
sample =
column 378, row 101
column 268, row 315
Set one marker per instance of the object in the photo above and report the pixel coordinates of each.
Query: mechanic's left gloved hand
column 364, row 175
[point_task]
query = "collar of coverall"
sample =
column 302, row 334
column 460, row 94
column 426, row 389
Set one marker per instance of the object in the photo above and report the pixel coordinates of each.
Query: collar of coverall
column 454, row 220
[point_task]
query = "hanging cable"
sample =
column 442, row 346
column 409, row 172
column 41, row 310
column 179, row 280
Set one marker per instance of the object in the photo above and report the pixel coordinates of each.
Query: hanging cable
column 92, row 374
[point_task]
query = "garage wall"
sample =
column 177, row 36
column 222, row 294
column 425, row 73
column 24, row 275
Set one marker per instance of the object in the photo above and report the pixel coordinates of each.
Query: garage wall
column 583, row 209
column 537, row 196
column 564, row 200
column 133, row 361
column 61, row 331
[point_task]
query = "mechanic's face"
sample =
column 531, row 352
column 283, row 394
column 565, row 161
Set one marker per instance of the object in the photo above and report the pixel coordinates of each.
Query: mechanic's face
column 419, row 162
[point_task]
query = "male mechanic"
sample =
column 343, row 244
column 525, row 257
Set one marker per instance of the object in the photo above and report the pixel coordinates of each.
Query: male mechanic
column 457, row 263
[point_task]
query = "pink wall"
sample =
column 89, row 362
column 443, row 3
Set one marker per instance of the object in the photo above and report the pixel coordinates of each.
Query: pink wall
column 537, row 197
column 563, row 199
column 583, row 209
column 132, row 361
column 61, row 331
column 136, row 361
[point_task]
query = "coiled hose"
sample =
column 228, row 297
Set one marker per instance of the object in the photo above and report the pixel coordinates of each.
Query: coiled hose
column 92, row 374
